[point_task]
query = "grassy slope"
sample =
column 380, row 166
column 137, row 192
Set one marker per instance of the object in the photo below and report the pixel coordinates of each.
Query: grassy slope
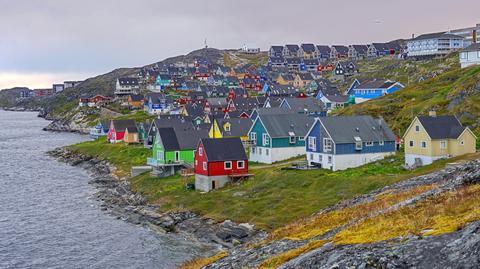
column 455, row 92
column 276, row 197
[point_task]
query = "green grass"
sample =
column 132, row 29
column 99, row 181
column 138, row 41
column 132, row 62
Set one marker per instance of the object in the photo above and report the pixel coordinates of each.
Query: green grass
column 138, row 116
column 121, row 155
column 275, row 197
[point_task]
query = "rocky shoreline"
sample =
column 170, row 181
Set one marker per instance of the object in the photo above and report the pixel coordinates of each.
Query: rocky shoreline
column 118, row 199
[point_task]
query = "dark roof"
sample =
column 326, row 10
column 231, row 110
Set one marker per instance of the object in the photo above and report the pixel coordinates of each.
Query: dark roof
column 278, row 49
column 188, row 139
column 309, row 48
column 473, row 47
column 194, row 110
column 437, row 35
column 360, row 48
column 322, row 49
column 224, row 149
column 344, row 129
column 121, row 125
column 376, row 84
column 305, row 76
column 285, row 125
column 442, row 127
column 292, row 48
column 136, row 97
column 337, row 98
column 132, row 129
column 310, row 61
column 341, row 49
column 169, row 139
column 128, row 81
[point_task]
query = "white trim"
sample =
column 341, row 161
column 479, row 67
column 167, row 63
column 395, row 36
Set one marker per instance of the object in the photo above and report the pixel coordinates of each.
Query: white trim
column 240, row 162
column 225, row 165
column 204, row 166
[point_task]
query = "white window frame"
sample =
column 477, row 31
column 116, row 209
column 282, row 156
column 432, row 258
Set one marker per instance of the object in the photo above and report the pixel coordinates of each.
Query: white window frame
column 369, row 144
column 267, row 152
column 205, row 166
column 200, row 151
column 462, row 143
column 417, row 127
column 330, row 159
column 260, row 151
column 253, row 136
column 327, row 144
column 196, row 162
column 292, row 140
column 227, row 128
column 411, row 144
column 443, row 144
column 381, row 143
column 240, row 164
column 312, row 143
column 160, row 155
column 265, row 139
column 422, row 143
column 225, row 165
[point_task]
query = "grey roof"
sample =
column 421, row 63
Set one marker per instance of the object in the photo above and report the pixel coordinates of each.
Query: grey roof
column 473, row 47
column 360, row 48
column 305, row 104
column 224, row 149
column 194, row 110
column 344, row 129
column 277, row 49
column 292, row 48
column 273, row 111
column 245, row 104
column 122, row 125
column 442, row 127
column 238, row 127
column 136, row 97
column 437, row 35
column 305, row 76
column 376, row 84
column 337, row 98
column 341, row 49
column 283, row 125
column 178, row 139
column 132, row 129
column 217, row 102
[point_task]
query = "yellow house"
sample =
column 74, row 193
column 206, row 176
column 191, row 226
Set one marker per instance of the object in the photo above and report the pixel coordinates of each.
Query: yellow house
column 283, row 79
column 429, row 138
column 301, row 80
column 131, row 135
column 237, row 127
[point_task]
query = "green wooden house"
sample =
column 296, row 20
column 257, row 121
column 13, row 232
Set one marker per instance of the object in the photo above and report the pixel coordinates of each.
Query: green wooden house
column 174, row 148
column 277, row 137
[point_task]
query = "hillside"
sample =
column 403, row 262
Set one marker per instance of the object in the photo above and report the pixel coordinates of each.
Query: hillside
column 453, row 92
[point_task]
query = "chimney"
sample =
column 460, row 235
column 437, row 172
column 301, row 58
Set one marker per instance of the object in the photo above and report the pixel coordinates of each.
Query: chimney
column 432, row 113
column 413, row 36
column 474, row 36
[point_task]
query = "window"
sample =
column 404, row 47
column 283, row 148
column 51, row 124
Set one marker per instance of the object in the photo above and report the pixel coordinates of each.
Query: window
column 381, row 143
column 227, row 165
column 417, row 128
column 369, row 144
column 411, row 143
column 267, row 151
column 227, row 128
column 292, row 140
column 329, row 159
column 205, row 166
column 311, row 156
column 424, row 144
column 463, row 56
column 301, row 138
column 160, row 155
column 358, row 143
column 327, row 144
column 253, row 136
column 266, row 139
column 196, row 162
column 312, row 143
column 253, row 150
column 200, row 151
column 260, row 151
column 478, row 54
column 443, row 144
column 240, row 164
column 462, row 143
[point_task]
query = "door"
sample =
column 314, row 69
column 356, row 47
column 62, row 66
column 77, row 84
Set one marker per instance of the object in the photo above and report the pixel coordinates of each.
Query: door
column 177, row 156
column 213, row 184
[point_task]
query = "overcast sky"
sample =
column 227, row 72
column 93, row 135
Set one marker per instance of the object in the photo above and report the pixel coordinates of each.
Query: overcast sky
column 47, row 41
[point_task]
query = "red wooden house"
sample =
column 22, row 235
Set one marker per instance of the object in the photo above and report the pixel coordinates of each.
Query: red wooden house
column 96, row 100
column 219, row 161
column 325, row 68
column 117, row 129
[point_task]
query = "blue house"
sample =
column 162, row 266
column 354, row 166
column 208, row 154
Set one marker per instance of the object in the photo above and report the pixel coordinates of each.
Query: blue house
column 343, row 142
column 101, row 129
column 367, row 90
column 163, row 81
column 158, row 103
column 277, row 137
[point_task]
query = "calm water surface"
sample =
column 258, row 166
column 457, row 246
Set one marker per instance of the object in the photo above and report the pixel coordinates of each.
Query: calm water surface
column 49, row 218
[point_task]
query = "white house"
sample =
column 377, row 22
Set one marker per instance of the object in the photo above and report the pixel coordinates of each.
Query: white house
column 435, row 44
column 470, row 55
column 126, row 86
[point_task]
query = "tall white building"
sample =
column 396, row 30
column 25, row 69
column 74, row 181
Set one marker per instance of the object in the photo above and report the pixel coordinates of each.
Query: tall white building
column 435, row 44
column 468, row 34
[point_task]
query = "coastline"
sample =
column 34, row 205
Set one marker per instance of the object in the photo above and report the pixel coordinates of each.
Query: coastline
column 118, row 199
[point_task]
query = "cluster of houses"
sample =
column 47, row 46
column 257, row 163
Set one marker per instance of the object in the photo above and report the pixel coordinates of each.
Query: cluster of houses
column 218, row 146
column 56, row 88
